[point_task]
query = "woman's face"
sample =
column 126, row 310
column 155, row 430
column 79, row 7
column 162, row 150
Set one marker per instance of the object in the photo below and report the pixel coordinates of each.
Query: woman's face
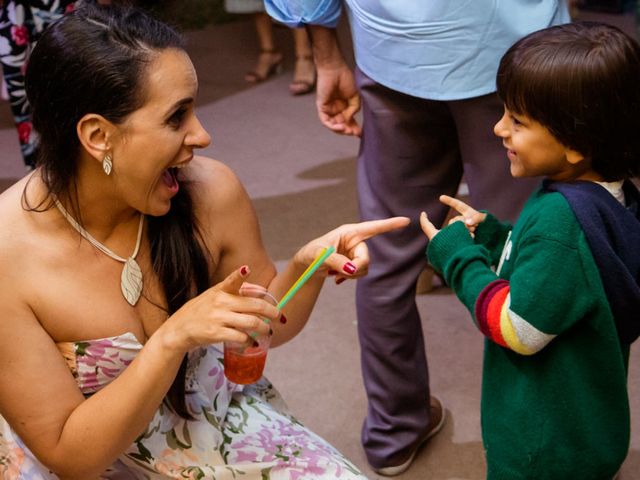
column 159, row 138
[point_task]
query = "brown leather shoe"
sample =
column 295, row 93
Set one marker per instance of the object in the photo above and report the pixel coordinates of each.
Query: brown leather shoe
column 437, row 422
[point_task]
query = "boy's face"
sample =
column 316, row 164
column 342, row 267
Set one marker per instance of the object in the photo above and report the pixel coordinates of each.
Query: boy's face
column 533, row 151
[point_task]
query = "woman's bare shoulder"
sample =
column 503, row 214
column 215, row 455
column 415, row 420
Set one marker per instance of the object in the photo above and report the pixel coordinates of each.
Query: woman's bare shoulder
column 14, row 220
column 213, row 185
column 226, row 216
column 18, row 251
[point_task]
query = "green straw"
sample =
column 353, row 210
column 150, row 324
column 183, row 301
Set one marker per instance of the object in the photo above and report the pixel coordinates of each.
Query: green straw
column 311, row 269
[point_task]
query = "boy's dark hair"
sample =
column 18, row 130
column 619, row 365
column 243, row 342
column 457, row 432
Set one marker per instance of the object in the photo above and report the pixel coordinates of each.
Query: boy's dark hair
column 95, row 60
column 582, row 82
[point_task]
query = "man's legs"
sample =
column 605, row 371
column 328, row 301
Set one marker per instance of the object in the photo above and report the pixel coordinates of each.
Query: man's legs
column 408, row 157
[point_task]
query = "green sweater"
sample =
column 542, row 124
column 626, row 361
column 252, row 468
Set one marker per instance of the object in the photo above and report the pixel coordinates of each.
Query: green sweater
column 554, row 390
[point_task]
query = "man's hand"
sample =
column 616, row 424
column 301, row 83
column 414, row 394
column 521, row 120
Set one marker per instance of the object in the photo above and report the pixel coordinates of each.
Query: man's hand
column 337, row 98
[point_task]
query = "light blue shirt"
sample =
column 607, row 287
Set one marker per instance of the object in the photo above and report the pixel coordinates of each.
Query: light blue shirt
column 435, row 49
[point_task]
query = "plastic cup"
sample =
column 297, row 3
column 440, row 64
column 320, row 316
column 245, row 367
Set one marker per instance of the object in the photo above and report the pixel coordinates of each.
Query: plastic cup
column 244, row 364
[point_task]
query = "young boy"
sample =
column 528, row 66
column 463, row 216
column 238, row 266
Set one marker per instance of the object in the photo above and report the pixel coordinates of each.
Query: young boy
column 557, row 295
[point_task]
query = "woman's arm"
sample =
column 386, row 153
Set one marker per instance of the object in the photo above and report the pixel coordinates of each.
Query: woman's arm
column 77, row 437
column 350, row 261
column 232, row 234
column 74, row 437
column 231, row 228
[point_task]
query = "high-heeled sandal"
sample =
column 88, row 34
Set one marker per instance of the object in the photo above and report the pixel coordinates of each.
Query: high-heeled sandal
column 269, row 64
column 304, row 79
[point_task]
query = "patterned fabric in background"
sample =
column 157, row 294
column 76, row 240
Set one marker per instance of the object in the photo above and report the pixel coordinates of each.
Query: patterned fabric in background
column 21, row 23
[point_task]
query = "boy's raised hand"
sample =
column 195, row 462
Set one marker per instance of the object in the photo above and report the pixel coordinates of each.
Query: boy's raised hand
column 468, row 215
column 428, row 228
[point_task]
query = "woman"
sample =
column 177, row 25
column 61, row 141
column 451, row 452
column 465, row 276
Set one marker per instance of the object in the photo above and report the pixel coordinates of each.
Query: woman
column 122, row 258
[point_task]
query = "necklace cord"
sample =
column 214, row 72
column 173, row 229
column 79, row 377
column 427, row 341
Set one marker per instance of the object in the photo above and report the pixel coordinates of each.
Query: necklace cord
column 103, row 248
column 131, row 278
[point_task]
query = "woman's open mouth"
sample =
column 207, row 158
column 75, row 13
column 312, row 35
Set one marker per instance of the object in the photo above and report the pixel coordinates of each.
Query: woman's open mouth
column 170, row 179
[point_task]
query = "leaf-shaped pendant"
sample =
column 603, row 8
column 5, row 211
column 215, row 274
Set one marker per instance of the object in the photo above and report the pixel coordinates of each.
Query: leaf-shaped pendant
column 131, row 281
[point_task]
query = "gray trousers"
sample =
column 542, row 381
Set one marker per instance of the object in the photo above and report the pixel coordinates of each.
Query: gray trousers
column 413, row 150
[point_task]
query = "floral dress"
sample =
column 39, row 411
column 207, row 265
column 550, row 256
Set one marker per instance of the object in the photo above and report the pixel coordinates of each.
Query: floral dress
column 237, row 432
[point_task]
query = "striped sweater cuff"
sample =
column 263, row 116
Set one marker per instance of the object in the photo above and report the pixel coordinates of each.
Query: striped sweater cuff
column 499, row 323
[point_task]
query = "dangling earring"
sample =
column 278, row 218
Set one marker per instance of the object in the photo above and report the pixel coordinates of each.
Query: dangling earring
column 107, row 164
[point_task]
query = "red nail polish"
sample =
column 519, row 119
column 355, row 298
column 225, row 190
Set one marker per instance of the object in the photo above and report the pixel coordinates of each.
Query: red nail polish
column 340, row 280
column 283, row 319
column 332, row 272
column 244, row 270
column 349, row 267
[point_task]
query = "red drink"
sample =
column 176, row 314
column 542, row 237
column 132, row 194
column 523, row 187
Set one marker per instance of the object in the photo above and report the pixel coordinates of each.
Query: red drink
column 242, row 364
column 244, row 367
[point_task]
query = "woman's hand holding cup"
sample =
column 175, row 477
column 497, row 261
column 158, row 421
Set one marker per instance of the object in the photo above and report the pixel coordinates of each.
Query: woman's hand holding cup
column 220, row 314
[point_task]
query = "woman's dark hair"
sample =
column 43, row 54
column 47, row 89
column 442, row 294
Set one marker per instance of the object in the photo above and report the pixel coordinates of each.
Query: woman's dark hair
column 582, row 82
column 94, row 60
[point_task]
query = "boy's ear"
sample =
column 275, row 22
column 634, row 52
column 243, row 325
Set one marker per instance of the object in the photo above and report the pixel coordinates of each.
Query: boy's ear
column 95, row 134
column 574, row 157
